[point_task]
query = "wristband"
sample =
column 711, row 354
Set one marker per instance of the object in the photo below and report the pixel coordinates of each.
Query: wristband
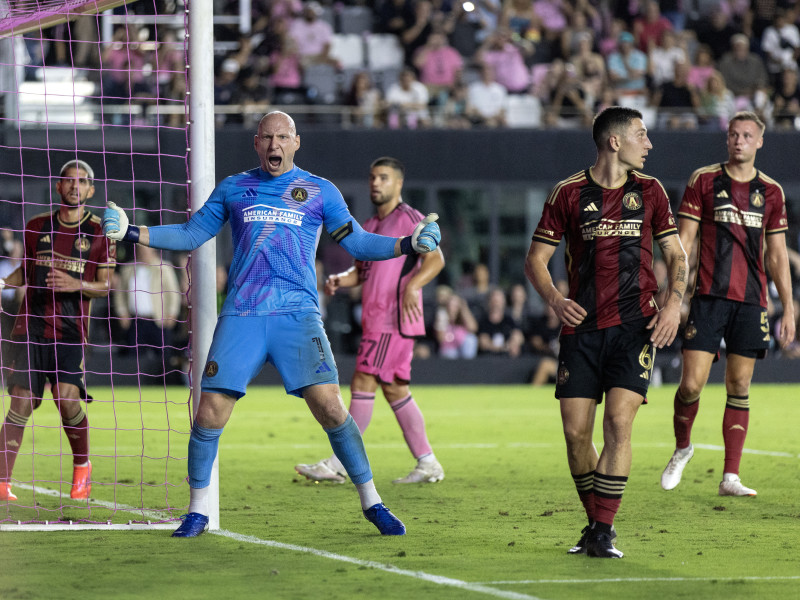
column 405, row 246
column 131, row 235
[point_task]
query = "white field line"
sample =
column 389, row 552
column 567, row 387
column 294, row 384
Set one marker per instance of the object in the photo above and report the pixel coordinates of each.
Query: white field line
column 421, row 575
column 645, row 580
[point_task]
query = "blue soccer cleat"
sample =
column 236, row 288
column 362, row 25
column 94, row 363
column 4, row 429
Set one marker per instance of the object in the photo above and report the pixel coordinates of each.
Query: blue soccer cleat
column 193, row 525
column 384, row 520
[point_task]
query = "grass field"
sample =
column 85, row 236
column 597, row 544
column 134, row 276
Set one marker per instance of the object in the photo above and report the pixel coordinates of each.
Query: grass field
column 498, row 526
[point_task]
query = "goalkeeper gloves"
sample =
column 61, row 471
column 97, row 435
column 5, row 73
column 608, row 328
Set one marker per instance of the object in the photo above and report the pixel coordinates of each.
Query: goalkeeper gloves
column 115, row 224
column 426, row 237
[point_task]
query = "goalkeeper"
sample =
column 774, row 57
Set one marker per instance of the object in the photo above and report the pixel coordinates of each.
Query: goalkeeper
column 271, row 313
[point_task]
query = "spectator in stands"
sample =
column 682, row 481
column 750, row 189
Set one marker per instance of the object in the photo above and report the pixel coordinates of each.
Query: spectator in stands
column 365, row 100
column 568, row 106
column 716, row 31
column 123, row 69
column 627, row 68
column 590, row 68
column 572, row 36
column 148, row 302
column 702, row 67
column 487, row 17
column 543, row 340
column 786, row 100
column 416, row 33
column 649, row 27
column 497, row 333
column 455, row 326
column 407, row 102
column 499, row 52
column 454, row 112
column 744, row 72
column 286, row 72
column 474, row 287
column 313, row 36
column 487, row 100
column 677, row 101
column 780, row 43
column 663, row 57
column 717, row 103
column 520, row 309
column 609, row 42
column 521, row 19
column 396, row 16
column 439, row 65
column 169, row 63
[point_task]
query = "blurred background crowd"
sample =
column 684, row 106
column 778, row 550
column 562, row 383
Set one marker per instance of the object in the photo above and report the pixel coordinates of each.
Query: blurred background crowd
column 687, row 64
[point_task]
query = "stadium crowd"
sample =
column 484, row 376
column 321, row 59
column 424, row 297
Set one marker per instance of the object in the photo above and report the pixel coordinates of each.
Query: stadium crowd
column 472, row 63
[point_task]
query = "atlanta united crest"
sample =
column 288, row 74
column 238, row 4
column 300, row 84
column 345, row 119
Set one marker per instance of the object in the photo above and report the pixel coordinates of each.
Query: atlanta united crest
column 632, row 201
column 757, row 199
column 690, row 332
column 82, row 244
column 563, row 374
column 299, row 194
column 212, row 368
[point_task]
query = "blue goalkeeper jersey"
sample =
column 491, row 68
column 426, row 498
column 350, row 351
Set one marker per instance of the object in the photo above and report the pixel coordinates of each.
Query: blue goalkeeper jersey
column 276, row 223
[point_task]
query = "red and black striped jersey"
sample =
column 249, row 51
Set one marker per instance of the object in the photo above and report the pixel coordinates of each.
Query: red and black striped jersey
column 79, row 249
column 609, row 237
column 734, row 216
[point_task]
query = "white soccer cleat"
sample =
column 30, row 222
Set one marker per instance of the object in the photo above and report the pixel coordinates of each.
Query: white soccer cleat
column 731, row 485
column 321, row 471
column 671, row 476
column 424, row 472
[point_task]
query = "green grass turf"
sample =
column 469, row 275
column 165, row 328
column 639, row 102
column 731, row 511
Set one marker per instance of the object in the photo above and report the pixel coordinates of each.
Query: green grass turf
column 499, row 525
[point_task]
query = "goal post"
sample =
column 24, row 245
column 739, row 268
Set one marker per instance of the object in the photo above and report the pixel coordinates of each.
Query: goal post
column 56, row 120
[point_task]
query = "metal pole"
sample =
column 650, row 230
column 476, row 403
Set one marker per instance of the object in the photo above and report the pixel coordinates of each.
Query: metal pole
column 201, row 184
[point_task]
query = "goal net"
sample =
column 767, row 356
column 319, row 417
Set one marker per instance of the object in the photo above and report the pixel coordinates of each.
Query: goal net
column 102, row 81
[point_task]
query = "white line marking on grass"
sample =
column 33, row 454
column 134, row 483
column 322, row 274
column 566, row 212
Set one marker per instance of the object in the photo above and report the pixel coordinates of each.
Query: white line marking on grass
column 644, row 580
column 437, row 579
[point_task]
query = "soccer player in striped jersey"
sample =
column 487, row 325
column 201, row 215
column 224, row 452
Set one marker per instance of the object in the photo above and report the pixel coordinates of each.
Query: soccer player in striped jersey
column 68, row 262
column 608, row 216
column 391, row 301
column 740, row 216
column 271, row 313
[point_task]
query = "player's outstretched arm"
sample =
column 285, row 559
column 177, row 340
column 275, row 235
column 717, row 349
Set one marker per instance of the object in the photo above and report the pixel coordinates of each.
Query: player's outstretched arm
column 117, row 227
column 363, row 245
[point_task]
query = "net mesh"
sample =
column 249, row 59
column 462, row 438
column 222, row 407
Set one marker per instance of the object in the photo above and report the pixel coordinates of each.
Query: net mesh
column 108, row 89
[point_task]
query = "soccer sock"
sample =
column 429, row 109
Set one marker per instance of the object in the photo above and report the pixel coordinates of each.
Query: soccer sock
column 77, row 431
column 10, row 440
column 203, row 445
column 585, row 486
column 368, row 494
column 608, row 491
column 348, row 446
column 734, row 430
column 198, row 500
column 361, row 405
column 411, row 421
column 683, row 420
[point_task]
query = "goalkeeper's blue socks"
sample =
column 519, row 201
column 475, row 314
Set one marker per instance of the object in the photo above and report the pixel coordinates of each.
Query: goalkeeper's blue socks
column 203, row 445
column 348, row 446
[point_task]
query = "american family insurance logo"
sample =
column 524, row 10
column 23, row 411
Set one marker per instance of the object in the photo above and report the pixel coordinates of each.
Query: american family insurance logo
column 270, row 214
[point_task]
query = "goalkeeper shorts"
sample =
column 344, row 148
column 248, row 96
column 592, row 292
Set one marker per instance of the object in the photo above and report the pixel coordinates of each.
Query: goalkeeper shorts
column 295, row 344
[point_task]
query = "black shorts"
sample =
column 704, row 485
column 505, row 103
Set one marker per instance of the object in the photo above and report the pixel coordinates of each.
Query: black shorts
column 36, row 360
column 591, row 363
column 745, row 327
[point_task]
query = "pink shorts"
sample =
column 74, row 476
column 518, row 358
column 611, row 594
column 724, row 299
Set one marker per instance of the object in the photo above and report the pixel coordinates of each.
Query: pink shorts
column 387, row 356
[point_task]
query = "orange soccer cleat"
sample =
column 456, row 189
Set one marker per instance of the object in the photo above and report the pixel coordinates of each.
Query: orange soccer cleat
column 5, row 492
column 81, row 481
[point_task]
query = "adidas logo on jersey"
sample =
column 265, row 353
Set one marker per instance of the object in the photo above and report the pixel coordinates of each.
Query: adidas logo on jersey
column 250, row 193
column 723, row 194
column 590, row 208
column 323, row 369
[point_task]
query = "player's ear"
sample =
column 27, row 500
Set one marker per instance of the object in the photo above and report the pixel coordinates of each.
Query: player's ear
column 90, row 192
column 296, row 143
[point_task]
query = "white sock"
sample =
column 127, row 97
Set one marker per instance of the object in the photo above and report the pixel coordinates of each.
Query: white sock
column 198, row 500
column 428, row 458
column 336, row 464
column 368, row 494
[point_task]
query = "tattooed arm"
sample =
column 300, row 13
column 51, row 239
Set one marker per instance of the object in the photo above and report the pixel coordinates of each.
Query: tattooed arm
column 665, row 323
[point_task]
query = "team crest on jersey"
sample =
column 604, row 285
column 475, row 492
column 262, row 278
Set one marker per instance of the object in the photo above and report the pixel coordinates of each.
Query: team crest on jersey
column 757, row 199
column 563, row 374
column 632, row 201
column 212, row 368
column 82, row 244
column 299, row 194
column 690, row 332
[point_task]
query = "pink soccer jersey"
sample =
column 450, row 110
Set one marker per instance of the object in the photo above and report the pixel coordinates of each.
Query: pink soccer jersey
column 384, row 281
